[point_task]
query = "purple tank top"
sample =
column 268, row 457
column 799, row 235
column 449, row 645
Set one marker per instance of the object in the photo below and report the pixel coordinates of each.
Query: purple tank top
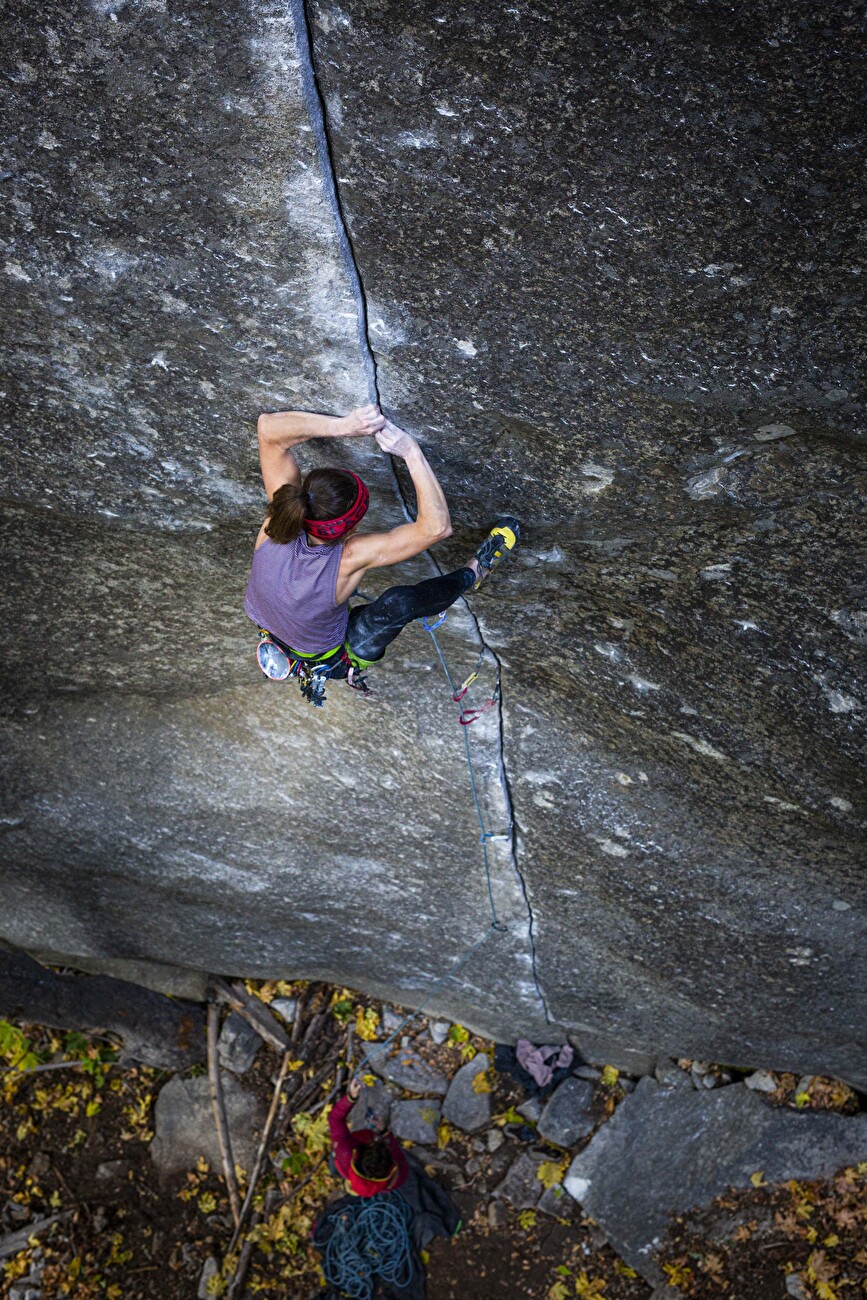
column 293, row 593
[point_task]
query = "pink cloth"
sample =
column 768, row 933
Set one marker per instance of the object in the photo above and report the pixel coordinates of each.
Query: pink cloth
column 538, row 1060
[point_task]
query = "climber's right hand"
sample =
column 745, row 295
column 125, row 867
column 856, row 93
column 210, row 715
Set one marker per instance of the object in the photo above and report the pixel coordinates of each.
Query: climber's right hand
column 354, row 1088
column 395, row 441
column 363, row 422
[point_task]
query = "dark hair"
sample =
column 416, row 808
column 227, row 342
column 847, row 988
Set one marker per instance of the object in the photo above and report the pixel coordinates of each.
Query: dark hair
column 324, row 494
column 374, row 1159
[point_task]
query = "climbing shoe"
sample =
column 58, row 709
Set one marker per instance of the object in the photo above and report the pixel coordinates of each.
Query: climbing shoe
column 499, row 543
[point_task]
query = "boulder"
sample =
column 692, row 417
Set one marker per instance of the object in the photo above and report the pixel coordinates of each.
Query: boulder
column 415, row 1121
column 522, row 1186
column 238, row 1044
column 681, row 1148
column 374, row 1097
column 406, row 1069
column 464, row 1107
column 184, row 1127
column 568, row 1116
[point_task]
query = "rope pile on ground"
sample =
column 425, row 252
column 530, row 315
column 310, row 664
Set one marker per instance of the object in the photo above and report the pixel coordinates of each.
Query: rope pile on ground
column 370, row 1239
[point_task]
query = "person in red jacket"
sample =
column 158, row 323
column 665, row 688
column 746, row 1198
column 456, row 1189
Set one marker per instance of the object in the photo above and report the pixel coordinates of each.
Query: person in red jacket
column 371, row 1161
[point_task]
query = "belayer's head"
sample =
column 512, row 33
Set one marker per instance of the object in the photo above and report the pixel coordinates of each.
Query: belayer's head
column 374, row 1161
column 328, row 505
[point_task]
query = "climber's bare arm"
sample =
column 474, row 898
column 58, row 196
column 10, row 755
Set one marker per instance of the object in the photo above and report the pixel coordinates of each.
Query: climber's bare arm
column 280, row 432
column 433, row 523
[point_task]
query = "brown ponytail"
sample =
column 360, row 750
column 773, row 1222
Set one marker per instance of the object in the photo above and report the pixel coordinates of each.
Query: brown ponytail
column 324, row 494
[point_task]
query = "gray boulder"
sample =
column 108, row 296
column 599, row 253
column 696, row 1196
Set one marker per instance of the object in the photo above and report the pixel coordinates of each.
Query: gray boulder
column 522, row 1186
column 375, row 1097
column 238, row 1044
column 184, row 1126
column 415, row 1120
column 568, row 1116
column 406, row 1069
column 683, row 1148
column 464, row 1107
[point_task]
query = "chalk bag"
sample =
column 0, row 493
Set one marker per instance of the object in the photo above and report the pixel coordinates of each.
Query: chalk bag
column 273, row 661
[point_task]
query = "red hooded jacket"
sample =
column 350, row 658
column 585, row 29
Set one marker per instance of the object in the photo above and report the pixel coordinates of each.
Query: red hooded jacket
column 347, row 1143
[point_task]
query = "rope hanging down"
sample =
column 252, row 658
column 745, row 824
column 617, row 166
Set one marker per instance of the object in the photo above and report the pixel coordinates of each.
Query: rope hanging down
column 496, row 926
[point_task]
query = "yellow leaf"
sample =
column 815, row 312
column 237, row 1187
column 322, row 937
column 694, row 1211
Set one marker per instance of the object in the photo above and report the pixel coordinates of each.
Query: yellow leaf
column 92, row 1108
column 481, row 1083
column 527, row 1219
column 585, row 1287
column 444, row 1135
column 114, row 1292
column 425, row 1257
column 623, row 1269
column 610, row 1075
column 550, row 1173
column 368, row 1080
column 366, row 1024
column 801, row 1099
column 825, row 1291
column 558, row 1292
column 294, row 1065
column 758, row 1178
column 207, row 1203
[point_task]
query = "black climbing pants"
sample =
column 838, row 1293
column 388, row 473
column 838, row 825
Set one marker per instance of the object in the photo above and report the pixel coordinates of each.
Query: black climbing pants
column 373, row 627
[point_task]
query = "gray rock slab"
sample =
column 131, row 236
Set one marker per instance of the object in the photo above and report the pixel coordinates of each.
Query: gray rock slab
column 683, row 1148
column 406, row 1069
column 415, row 1120
column 285, row 1008
column 238, row 1044
column 522, row 1186
column 184, row 1126
column 568, row 1115
column 373, row 1097
column 464, row 1107
column 670, row 1075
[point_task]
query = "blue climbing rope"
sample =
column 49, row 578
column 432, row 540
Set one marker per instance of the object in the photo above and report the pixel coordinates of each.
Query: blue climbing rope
column 370, row 1240
column 497, row 926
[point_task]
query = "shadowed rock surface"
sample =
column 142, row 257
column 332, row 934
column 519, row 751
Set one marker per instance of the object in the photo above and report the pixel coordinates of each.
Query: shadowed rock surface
column 609, row 269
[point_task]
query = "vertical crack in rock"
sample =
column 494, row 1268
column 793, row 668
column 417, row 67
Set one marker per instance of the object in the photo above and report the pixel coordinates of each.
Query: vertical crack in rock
column 315, row 105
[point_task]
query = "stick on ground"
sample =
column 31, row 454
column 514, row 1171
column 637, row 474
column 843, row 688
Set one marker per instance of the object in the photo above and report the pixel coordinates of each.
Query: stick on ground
column 219, row 1107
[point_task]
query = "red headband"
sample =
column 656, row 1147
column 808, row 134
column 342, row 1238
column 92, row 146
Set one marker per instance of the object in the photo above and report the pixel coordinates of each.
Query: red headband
column 327, row 529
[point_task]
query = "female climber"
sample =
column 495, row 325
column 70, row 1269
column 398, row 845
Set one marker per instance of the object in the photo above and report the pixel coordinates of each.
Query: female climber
column 309, row 557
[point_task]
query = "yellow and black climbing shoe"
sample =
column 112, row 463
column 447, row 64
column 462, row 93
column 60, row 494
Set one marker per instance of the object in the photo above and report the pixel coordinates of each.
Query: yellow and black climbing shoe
column 499, row 543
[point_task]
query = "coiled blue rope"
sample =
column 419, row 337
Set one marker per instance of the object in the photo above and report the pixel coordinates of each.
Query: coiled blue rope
column 370, row 1239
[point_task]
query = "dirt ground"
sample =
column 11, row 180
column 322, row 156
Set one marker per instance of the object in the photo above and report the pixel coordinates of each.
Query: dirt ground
column 74, row 1144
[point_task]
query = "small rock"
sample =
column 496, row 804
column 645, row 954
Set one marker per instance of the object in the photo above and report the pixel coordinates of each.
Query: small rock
column 406, row 1069
column 478, row 1145
column 587, row 1072
column 556, row 1202
column 495, row 1140
column 497, row 1214
column 473, row 1166
column 464, row 1107
column 521, row 1186
column 415, row 1121
column 285, row 1008
column 795, row 1287
column 710, row 1080
column 567, row 1116
column 761, row 1081
column 391, row 1020
column 238, row 1044
column 671, row 1075
column 110, row 1170
column 768, row 432
column 210, row 1269
column 530, row 1110
column 805, row 1083
column 439, row 1031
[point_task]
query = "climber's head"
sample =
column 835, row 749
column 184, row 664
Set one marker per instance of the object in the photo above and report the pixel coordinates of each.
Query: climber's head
column 374, row 1161
column 328, row 505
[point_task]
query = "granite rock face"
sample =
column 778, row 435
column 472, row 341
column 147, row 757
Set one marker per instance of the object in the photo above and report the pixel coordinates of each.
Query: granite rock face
column 607, row 262
column 684, row 1148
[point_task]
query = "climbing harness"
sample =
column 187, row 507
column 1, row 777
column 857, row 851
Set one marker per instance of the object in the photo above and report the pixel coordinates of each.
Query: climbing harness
column 279, row 662
column 371, row 1240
